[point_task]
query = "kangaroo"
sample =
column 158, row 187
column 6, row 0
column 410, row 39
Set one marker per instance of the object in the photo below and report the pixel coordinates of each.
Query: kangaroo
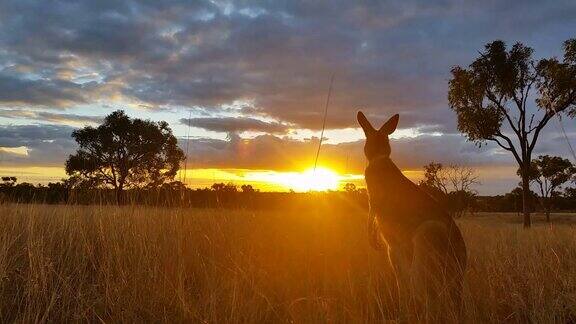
column 424, row 245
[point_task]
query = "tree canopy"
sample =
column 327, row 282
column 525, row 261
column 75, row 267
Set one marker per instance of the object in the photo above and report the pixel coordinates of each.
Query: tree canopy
column 125, row 153
column 549, row 173
column 507, row 97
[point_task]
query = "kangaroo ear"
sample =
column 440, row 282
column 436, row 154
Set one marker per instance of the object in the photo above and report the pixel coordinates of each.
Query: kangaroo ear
column 366, row 126
column 390, row 126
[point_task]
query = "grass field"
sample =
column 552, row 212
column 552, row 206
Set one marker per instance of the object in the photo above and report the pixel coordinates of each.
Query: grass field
column 110, row 264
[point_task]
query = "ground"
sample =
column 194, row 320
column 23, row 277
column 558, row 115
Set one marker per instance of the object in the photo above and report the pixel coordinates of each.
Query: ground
column 104, row 263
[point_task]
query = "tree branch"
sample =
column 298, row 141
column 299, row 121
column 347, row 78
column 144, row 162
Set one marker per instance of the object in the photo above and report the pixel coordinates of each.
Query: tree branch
column 538, row 129
column 494, row 139
column 550, row 112
column 498, row 104
column 510, row 146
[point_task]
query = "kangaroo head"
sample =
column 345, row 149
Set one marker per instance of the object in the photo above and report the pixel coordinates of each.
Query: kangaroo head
column 377, row 142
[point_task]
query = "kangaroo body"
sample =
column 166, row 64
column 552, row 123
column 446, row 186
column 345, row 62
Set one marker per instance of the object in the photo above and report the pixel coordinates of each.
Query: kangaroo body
column 424, row 245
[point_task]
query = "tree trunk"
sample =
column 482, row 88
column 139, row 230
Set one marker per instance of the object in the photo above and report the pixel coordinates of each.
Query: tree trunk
column 119, row 195
column 526, row 199
column 547, row 209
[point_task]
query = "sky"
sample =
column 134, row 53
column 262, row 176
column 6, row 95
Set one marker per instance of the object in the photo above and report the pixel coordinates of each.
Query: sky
column 243, row 83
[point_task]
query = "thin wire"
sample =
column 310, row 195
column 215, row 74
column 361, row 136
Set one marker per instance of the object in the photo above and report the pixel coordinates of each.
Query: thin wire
column 324, row 122
column 566, row 137
column 187, row 146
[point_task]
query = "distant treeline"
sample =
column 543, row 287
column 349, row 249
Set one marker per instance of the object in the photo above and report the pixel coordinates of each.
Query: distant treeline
column 511, row 202
column 176, row 195
column 245, row 197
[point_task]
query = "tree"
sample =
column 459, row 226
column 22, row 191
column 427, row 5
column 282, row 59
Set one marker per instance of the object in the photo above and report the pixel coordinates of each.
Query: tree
column 491, row 99
column 8, row 181
column 549, row 173
column 125, row 153
column 569, row 196
column 350, row 187
column 435, row 182
column 174, row 186
column 451, row 186
column 514, row 199
column 451, row 178
column 222, row 187
column 246, row 188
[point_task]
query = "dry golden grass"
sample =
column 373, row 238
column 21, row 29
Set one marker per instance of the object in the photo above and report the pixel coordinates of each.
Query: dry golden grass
column 96, row 263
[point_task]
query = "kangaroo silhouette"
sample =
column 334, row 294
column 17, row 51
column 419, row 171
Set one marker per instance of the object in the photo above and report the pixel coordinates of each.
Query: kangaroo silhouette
column 425, row 248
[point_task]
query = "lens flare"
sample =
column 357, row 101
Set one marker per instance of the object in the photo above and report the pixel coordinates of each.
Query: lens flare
column 321, row 179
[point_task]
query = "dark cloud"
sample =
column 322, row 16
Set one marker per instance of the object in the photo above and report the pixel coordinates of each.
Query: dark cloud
column 276, row 153
column 58, row 93
column 236, row 125
column 388, row 57
column 47, row 145
column 23, row 135
column 49, row 116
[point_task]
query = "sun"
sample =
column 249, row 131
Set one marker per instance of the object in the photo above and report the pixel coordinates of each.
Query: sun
column 321, row 179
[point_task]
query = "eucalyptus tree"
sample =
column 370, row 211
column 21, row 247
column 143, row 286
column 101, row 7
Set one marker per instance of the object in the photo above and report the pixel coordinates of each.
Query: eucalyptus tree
column 507, row 97
column 125, row 153
column 549, row 173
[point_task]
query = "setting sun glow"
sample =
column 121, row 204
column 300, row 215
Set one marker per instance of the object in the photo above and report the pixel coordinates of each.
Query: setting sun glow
column 267, row 180
column 320, row 179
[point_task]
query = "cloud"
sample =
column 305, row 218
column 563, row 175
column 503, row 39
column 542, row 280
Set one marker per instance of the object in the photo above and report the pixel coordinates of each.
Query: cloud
column 282, row 153
column 59, row 93
column 388, row 56
column 59, row 118
column 277, row 57
column 46, row 145
column 267, row 152
column 50, row 145
column 236, row 125
column 22, row 150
